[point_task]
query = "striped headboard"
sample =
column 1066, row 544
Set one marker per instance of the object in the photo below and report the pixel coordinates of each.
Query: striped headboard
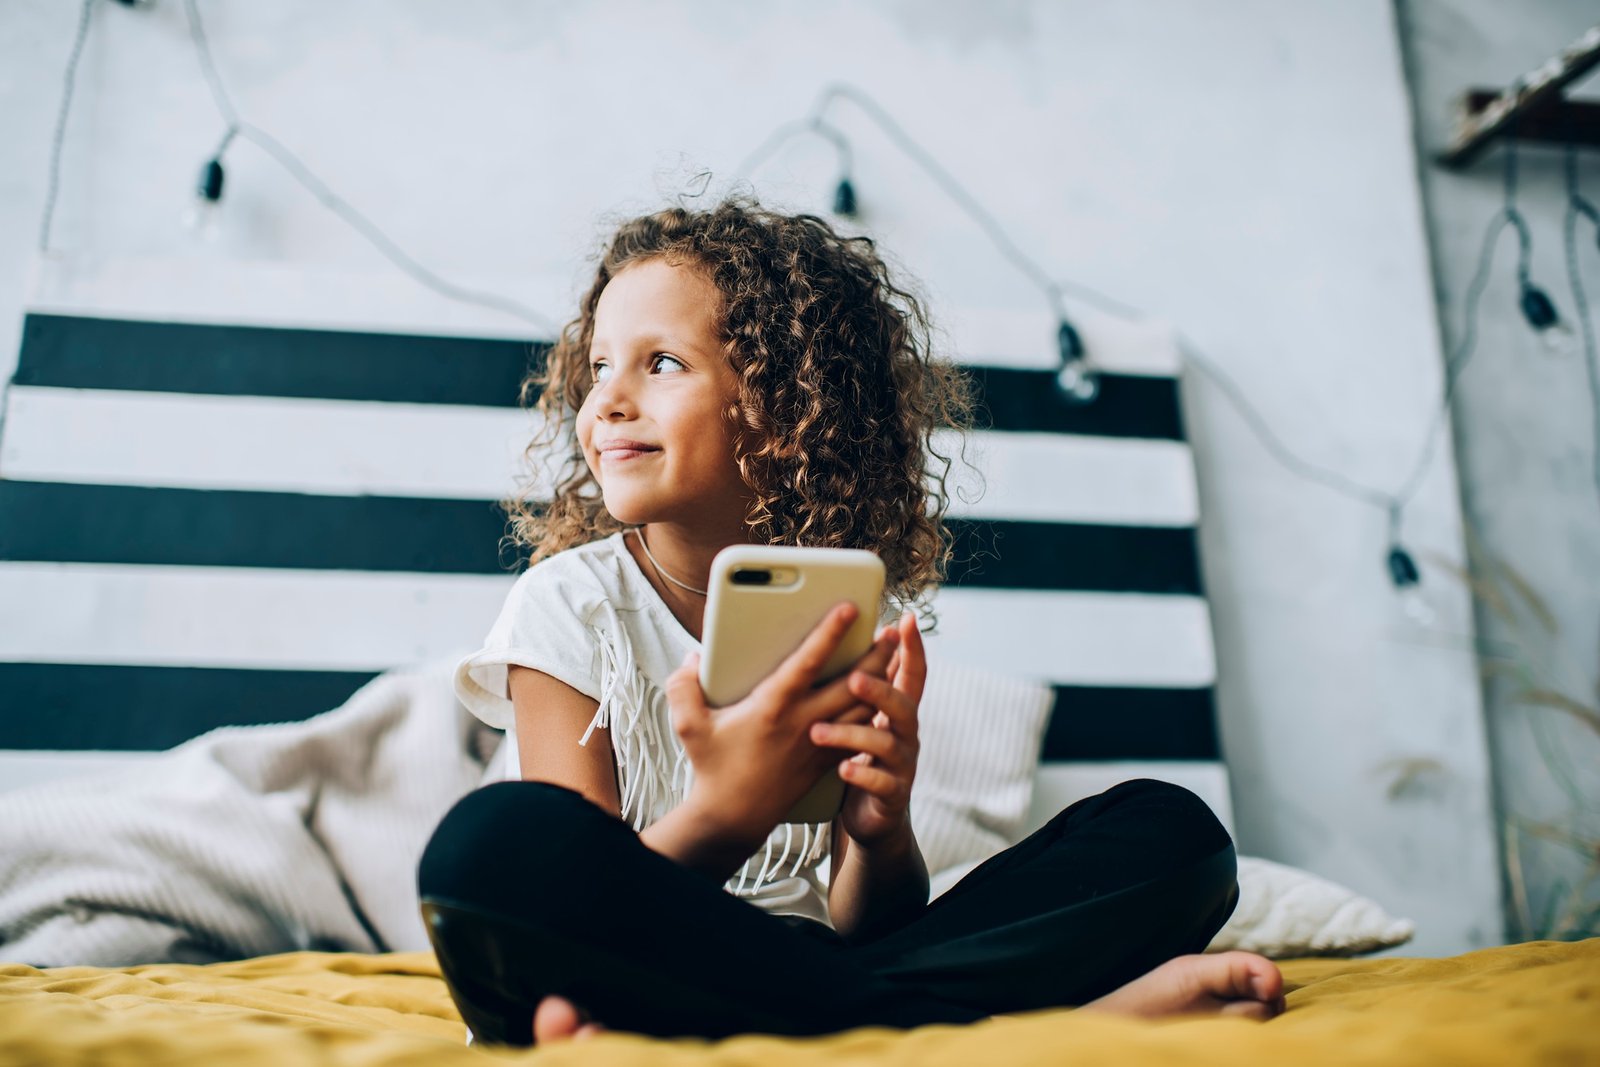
column 240, row 520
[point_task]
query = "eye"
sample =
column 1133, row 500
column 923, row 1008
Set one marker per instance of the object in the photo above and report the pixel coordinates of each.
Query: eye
column 666, row 363
column 595, row 370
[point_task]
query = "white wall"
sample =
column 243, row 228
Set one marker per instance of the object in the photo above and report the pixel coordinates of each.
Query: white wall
column 1244, row 171
column 1525, row 431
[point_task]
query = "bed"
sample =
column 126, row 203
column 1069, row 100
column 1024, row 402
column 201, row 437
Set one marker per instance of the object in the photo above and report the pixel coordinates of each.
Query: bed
column 1537, row 1002
column 198, row 601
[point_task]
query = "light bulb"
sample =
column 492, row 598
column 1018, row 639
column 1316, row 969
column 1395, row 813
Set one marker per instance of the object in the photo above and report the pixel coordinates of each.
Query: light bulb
column 1414, row 603
column 203, row 218
column 1407, row 579
column 1076, row 380
column 1078, row 384
column 1558, row 339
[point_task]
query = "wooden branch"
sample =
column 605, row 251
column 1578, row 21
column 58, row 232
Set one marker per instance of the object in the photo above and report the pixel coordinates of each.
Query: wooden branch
column 1532, row 108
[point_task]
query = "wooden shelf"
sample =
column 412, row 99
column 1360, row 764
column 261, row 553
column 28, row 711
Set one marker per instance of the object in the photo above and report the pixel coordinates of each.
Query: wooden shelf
column 1531, row 109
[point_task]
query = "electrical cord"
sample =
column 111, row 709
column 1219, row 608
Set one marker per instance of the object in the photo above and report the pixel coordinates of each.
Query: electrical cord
column 301, row 173
column 1577, row 205
column 1393, row 503
column 58, row 139
column 1054, row 290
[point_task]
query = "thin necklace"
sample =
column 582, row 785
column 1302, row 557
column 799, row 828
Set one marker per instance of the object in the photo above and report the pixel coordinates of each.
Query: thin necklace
column 639, row 530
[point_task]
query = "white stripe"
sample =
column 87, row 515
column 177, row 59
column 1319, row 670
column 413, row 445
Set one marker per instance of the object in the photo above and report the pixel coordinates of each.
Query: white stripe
column 193, row 441
column 269, row 618
column 1110, row 639
column 352, row 448
column 21, row 768
column 240, row 617
column 1058, row 785
column 1046, row 477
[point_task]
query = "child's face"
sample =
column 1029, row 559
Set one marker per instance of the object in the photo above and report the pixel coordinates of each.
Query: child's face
column 652, row 427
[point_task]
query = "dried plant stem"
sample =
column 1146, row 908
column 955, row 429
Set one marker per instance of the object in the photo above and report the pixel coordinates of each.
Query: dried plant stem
column 1570, row 916
column 1519, row 888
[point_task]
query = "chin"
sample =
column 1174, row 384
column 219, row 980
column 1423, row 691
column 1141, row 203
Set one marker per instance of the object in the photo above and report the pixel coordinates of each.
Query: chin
column 629, row 512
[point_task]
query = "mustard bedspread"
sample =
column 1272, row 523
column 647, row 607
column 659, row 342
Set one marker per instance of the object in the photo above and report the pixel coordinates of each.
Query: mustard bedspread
column 1537, row 1002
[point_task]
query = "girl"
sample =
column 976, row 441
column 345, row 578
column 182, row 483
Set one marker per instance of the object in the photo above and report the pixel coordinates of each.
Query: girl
column 736, row 375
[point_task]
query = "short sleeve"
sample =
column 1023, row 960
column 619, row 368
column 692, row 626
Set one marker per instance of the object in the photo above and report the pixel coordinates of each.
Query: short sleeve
column 543, row 625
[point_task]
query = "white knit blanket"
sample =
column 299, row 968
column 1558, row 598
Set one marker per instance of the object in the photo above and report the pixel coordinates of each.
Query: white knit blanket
column 261, row 839
column 247, row 840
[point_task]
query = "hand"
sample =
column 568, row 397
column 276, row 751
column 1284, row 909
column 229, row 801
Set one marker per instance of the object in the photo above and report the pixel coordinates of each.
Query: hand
column 754, row 759
column 877, row 800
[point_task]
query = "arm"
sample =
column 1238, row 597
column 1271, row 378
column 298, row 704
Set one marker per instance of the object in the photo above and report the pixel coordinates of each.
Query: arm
column 549, row 710
column 880, row 880
column 878, row 889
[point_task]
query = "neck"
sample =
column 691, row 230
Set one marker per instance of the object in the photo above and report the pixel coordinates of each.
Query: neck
column 686, row 553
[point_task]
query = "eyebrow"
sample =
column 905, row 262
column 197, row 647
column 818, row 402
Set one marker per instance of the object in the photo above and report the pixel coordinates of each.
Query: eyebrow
column 665, row 341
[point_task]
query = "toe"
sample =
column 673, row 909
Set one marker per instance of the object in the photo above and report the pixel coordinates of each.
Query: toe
column 554, row 1018
column 1247, row 1009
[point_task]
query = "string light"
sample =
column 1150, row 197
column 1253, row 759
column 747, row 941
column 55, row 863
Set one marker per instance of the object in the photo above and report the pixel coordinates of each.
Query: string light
column 1077, row 378
column 297, row 169
column 1537, row 307
column 1579, row 206
column 203, row 216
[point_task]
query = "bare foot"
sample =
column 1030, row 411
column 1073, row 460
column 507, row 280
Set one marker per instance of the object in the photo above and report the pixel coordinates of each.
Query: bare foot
column 1227, row 983
column 557, row 1019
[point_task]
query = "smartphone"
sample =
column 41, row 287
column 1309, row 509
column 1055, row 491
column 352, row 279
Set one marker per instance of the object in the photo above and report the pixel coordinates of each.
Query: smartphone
column 762, row 602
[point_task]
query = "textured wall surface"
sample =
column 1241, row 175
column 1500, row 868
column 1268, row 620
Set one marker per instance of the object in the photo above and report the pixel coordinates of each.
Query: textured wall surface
column 1244, row 172
column 1525, row 434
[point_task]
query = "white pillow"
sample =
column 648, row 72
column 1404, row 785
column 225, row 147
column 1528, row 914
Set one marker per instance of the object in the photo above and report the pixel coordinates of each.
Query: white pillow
column 979, row 736
column 1285, row 912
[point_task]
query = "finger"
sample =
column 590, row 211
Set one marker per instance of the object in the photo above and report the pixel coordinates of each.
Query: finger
column 874, row 780
column 894, row 666
column 876, row 659
column 828, row 701
column 686, row 701
column 913, row 667
column 898, row 706
column 880, row 744
column 799, row 670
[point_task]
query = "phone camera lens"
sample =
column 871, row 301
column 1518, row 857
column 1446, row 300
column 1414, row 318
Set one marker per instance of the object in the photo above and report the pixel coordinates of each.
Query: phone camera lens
column 752, row 576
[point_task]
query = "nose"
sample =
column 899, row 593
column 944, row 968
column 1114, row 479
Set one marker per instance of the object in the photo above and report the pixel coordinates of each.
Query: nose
column 611, row 398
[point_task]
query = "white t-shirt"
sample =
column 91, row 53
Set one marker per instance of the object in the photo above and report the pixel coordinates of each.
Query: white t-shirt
column 590, row 618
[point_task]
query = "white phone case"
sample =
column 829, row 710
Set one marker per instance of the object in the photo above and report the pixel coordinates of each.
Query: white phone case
column 752, row 626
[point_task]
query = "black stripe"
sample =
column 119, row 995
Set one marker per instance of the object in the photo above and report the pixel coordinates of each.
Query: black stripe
column 78, row 352
column 227, row 528
column 86, row 707
column 69, row 523
column 1087, row 558
column 1096, row 723
column 1128, row 405
column 80, row 707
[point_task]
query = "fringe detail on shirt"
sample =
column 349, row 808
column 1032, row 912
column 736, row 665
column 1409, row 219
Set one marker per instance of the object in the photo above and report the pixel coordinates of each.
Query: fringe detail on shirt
column 653, row 780
column 813, row 838
column 651, row 784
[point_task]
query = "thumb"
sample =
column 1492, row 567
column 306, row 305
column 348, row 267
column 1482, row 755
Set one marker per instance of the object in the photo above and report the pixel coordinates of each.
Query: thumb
column 686, row 700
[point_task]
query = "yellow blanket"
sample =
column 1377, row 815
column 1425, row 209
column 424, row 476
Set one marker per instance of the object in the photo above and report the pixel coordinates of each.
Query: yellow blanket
column 1531, row 1003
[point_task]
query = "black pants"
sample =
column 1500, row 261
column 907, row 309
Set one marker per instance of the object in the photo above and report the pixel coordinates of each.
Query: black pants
column 530, row 889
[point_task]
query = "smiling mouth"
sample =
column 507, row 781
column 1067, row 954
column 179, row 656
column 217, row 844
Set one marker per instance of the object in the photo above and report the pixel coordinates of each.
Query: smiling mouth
column 626, row 453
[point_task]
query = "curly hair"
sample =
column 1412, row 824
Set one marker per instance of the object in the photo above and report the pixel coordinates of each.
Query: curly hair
column 837, row 402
